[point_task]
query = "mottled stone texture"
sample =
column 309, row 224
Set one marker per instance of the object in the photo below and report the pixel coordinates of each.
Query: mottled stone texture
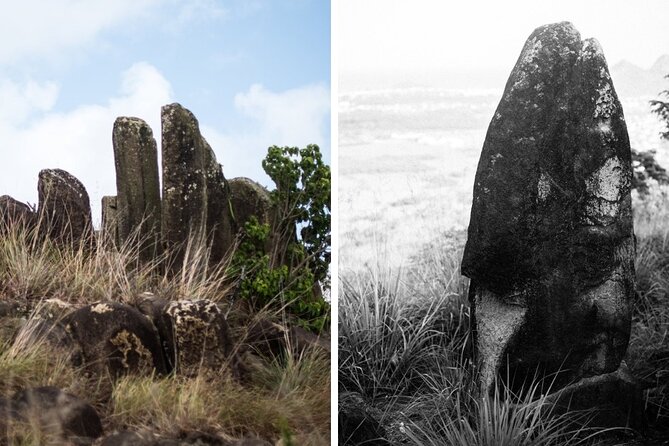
column 65, row 418
column 137, row 184
column 550, row 249
column 200, row 336
column 195, row 192
column 116, row 338
column 249, row 199
column 64, row 206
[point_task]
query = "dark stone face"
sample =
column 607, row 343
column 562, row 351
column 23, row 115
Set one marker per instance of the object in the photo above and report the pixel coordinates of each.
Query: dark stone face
column 116, row 338
column 195, row 192
column 551, row 222
column 13, row 212
column 137, row 184
column 64, row 206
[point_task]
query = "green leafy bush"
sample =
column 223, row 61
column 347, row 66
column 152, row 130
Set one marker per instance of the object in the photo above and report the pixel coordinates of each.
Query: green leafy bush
column 287, row 276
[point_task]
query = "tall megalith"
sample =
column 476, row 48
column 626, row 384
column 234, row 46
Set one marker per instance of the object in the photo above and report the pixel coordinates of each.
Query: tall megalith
column 550, row 248
column 137, row 184
column 195, row 192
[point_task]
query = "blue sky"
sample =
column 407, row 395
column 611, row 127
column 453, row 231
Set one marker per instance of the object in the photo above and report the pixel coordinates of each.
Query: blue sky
column 254, row 72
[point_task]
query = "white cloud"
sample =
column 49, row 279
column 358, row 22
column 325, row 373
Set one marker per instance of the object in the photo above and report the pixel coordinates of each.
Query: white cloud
column 79, row 140
column 295, row 117
column 19, row 101
column 38, row 28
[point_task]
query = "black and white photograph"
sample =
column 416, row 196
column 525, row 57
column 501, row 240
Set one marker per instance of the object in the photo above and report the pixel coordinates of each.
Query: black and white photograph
column 503, row 222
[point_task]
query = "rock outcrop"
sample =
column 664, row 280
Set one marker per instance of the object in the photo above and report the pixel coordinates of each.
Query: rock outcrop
column 249, row 199
column 137, row 184
column 195, row 192
column 201, row 336
column 116, row 338
column 59, row 415
column 550, row 249
column 14, row 213
column 64, row 207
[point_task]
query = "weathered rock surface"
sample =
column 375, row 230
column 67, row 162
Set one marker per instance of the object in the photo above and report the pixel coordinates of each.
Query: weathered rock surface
column 550, row 249
column 13, row 212
column 64, row 206
column 195, row 192
column 137, row 184
column 201, row 336
column 58, row 414
column 194, row 334
column 357, row 424
column 116, row 338
column 49, row 333
column 249, row 199
column 274, row 340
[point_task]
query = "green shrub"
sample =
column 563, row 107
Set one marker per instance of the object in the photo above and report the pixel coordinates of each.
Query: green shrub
column 288, row 275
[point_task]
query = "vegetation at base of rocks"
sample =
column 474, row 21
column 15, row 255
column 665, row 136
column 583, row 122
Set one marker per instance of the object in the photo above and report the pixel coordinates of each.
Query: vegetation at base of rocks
column 291, row 394
column 404, row 347
column 287, row 277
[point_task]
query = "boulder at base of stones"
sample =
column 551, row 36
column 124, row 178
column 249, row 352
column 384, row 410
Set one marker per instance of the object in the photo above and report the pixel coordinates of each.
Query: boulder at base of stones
column 127, row 438
column 273, row 340
column 52, row 334
column 550, row 247
column 58, row 414
column 357, row 425
column 201, row 337
column 64, row 207
column 13, row 213
column 137, row 184
column 116, row 338
column 195, row 192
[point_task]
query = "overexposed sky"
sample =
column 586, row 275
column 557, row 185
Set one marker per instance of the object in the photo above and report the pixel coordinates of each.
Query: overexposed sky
column 407, row 37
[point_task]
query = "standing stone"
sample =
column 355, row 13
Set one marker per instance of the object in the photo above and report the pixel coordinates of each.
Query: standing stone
column 14, row 213
column 248, row 199
column 137, row 184
column 550, row 249
column 109, row 219
column 64, row 207
column 195, row 192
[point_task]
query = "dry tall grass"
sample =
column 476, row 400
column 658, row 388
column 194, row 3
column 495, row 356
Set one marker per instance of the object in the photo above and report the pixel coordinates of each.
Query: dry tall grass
column 288, row 398
column 403, row 345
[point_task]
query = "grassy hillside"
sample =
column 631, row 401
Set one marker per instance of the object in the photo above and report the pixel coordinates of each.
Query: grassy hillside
column 283, row 398
column 404, row 348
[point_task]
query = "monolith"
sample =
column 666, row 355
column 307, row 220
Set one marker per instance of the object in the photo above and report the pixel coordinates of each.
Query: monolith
column 195, row 192
column 137, row 185
column 550, row 248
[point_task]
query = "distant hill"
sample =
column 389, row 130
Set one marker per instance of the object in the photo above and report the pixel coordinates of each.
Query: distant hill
column 631, row 80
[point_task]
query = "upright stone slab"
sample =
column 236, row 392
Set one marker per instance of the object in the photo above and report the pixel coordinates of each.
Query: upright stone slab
column 137, row 184
column 550, row 249
column 109, row 219
column 248, row 199
column 64, row 207
column 195, row 193
column 14, row 213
